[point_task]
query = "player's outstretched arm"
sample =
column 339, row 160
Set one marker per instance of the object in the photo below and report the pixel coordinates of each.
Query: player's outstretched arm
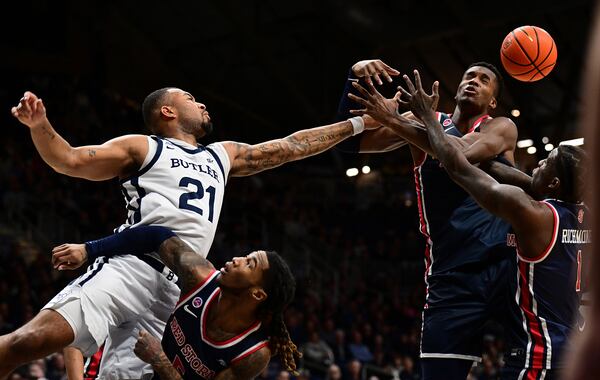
column 248, row 368
column 499, row 135
column 117, row 157
column 532, row 221
column 372, row 141
column 189, row 266
column 148, row 349
column 508, row 175
column 251, row 159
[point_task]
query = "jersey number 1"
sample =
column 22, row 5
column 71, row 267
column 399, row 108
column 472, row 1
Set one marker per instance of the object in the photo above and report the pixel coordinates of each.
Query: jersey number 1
column 198, row 194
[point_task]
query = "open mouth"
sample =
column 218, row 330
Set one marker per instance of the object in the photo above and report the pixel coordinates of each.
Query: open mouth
column 470, row 90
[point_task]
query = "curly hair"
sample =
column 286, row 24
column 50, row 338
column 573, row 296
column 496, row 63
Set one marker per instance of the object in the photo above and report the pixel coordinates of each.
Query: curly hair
column 572, row 171
column 280, row 287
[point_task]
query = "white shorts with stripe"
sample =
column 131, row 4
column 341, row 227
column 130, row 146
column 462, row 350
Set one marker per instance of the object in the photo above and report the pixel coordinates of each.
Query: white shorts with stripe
column 111, row 302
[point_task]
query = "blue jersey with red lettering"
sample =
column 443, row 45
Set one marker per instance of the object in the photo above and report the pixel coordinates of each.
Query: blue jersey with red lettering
column 547, row 292
column 186, row 342
column 457, row 230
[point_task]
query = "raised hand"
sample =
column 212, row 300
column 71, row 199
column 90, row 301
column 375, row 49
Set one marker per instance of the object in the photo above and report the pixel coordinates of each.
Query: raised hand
column 376, row 105
column 30, row 110
column 373, row 68
column 419, row 102
column 69, row 256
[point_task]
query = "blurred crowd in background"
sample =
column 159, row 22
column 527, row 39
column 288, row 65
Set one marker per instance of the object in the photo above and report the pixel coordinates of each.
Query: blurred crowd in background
column 353, row 243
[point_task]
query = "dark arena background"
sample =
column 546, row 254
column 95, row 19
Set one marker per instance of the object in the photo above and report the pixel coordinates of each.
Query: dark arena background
column 266, row 69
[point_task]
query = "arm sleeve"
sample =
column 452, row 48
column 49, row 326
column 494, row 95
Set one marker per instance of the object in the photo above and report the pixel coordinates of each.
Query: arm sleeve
column 132, row 241
column 352, row 144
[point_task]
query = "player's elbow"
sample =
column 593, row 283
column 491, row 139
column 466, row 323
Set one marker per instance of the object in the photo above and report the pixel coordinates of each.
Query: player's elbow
column 69, row 167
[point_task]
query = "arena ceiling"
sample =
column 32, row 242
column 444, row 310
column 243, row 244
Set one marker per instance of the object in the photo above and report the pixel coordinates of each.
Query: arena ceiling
column 266, row 67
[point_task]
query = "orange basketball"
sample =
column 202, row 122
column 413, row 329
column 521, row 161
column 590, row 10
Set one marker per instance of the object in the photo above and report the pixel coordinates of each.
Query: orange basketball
column 528, row 53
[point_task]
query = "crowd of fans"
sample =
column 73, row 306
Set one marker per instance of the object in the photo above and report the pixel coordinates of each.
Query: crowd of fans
column 353, row 244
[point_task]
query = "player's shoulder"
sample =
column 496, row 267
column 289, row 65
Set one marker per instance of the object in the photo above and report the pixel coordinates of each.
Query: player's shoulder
column 253, row 364
column 131, row 140
column 499, row 122
column 502, row 126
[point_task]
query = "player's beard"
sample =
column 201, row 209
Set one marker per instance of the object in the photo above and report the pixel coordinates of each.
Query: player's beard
column 194, row 127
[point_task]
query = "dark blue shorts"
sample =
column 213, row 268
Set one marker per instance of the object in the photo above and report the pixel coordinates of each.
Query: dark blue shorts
column 459, row 303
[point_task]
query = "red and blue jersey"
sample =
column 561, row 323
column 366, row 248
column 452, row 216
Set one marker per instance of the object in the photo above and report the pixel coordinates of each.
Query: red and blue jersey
column 187, row 344
column 547, row 291
column 457, row 230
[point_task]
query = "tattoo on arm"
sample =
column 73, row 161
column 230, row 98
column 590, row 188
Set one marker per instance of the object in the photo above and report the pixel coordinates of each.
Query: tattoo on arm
column 247, row 368
column 187, row 264
column 91, row 152
column 164, row 368
column 48, row 132
column 252, row 159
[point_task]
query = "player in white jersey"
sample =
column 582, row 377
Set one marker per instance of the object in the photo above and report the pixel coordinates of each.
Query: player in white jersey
column 169, row 180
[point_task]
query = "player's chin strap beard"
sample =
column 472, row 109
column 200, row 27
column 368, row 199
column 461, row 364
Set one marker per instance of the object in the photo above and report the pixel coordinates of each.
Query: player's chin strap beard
column 207, row 128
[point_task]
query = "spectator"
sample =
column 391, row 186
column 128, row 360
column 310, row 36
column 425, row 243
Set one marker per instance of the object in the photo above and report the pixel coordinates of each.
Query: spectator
column 334, row 372
column 316, row 350
column 355, row 370
column 358, row 350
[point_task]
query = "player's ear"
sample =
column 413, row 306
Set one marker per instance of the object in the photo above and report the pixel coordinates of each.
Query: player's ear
column 554, row 184
column 167, row 112
column 493, row 103
column 259, row 294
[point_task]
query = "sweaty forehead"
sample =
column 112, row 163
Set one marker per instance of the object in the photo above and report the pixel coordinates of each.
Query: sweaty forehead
column 481, row 70
column 261, row 259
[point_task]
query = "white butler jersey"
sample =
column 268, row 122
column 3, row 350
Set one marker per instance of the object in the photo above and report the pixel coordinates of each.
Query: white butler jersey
column 180, row 187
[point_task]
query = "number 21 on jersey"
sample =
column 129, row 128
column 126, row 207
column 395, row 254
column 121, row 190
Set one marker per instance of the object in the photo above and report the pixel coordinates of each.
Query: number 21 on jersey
column 198, row 192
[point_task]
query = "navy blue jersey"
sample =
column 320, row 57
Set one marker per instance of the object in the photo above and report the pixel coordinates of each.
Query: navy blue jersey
column 187, row 344
column 457, row 230
column 547, row 292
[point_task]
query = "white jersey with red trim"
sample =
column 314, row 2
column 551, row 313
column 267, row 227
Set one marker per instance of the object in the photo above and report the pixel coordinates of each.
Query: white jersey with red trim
column 548, row 290
column 180, row 187
column 186, row 342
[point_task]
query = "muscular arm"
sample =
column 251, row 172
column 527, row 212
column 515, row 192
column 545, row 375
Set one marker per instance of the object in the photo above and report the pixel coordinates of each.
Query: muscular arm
column 248, row 368
column 508, row 175
column 117, row 157
column 380, row 140
column 190, row 266
column 164, row 368
column 499, row 136
column 531, row 220
column 250, row 159
column 149, row 349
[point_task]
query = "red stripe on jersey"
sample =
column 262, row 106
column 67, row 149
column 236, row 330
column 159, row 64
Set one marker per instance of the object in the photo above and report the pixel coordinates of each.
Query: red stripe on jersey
column 532, row 374
column 423, row 220
column 478, row 122
column 195, row 289
column 538, row 347
column 91, row 371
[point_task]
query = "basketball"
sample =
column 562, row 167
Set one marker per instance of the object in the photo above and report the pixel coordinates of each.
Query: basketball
column 528, row 53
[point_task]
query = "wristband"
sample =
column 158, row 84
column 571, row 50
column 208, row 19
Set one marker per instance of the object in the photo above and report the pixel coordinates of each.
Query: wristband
column 358, row 125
